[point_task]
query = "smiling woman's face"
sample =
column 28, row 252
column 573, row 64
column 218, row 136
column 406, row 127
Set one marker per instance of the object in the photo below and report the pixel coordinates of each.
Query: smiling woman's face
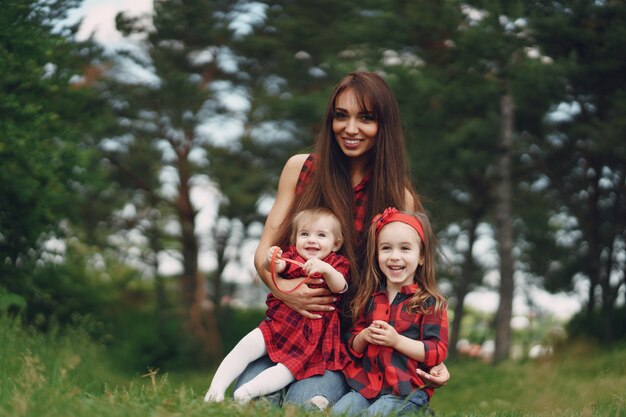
column 355, row 130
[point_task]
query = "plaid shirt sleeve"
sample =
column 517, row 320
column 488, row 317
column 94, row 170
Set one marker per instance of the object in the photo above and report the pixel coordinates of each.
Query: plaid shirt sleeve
column 340, row 263
column 361, row 324
column 434, row 331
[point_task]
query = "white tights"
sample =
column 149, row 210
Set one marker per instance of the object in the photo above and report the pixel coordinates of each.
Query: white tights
column 251, row 347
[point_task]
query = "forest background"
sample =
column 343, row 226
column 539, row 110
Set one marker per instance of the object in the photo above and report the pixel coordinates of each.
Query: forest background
column 514, row 114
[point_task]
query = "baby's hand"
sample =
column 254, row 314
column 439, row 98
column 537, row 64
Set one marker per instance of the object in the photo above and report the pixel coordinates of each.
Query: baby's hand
column 279, row 264
column 316, row 266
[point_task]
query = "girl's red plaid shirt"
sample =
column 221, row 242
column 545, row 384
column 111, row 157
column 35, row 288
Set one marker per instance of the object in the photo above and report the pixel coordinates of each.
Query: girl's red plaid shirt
column 383, row 370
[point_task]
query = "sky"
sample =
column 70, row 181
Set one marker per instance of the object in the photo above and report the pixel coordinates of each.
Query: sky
column 99, row 19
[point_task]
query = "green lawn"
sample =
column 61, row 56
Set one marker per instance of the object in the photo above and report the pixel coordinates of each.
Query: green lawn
column 582, row 381
column 65, row 374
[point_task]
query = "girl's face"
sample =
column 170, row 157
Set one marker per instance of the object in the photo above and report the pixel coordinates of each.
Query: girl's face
column 316, row 239
column 355, row 131
column 399, row 254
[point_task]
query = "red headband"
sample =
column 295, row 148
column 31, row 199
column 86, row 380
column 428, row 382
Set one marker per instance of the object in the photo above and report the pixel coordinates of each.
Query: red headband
column 391, row 214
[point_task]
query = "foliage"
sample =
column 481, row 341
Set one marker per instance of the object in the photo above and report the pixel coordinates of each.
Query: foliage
column 235, row 323
column 45, row 118
column 162, row 151
column 139, row 339
column 581, row 158
column 585, row 326
column 9, row 302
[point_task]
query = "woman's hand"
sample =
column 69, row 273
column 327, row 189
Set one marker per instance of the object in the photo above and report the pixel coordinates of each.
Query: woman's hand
column 438, row 376
column 305, row 300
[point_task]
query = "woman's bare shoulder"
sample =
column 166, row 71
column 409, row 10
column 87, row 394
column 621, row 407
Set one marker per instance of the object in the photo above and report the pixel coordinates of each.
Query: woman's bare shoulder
column 291, row 172
column 294, row 163
column 409, row 200
column 297, row 160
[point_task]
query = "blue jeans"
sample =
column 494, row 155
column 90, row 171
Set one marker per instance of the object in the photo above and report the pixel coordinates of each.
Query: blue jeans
column 354, row 404
column 324, row 390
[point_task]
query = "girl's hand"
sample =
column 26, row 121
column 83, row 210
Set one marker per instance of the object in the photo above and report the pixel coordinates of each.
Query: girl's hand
column 438, row 376
column 383, row 334
column 366, row 338
column 305, row 300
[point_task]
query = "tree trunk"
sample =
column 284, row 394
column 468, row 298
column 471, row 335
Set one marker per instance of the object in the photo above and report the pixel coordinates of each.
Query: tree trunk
column 462, row 288
column 221, row 237
column 609, row 295
column 154, row 239
column 203, row 324
column 504, row 226
column 201, row 319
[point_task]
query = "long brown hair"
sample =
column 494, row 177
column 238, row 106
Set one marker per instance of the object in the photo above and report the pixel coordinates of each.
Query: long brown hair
column 425, row 276
column 331, row 184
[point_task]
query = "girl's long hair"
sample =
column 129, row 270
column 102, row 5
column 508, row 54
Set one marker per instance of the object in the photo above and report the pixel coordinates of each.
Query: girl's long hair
column 425, row 276
column 331, row 184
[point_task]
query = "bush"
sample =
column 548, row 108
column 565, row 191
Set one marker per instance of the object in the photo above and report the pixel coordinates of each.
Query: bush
column 235, row 323
column 585, row 326
column 140, row 339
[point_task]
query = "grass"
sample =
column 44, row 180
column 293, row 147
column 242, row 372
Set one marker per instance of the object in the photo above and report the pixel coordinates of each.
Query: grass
column 63, row 373
column 583, row 380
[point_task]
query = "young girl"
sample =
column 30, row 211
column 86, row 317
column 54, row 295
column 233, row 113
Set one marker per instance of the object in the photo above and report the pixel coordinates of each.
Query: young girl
column 299, row 346
column 402, row 323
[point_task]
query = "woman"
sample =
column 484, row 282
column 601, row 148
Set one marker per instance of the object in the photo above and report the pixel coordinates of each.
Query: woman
column 358, row 168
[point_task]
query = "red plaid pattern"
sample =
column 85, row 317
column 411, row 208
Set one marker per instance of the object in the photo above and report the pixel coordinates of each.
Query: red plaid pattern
column 305, row 346
column 360, row 191
column 381, row 369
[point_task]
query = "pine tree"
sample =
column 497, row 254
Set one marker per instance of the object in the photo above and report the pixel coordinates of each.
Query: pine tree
column 185, row 48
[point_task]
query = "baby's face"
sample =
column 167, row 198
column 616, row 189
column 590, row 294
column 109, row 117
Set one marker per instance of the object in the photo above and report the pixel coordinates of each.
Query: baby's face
column 316, row 240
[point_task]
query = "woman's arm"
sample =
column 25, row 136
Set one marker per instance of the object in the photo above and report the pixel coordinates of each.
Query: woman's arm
column 409, row 201
column 304, row 300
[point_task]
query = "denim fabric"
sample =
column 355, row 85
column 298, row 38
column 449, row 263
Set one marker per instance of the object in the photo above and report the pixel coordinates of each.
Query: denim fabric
column 351, row 404
column 332, row 386
column 354, row 404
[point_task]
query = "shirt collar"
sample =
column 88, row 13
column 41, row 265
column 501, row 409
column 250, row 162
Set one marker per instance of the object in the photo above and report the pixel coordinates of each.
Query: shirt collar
column 406, row 290
column 363, row 182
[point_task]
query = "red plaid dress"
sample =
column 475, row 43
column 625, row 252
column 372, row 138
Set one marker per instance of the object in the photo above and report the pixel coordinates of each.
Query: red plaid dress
column 305, row 346
column 383, row 370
